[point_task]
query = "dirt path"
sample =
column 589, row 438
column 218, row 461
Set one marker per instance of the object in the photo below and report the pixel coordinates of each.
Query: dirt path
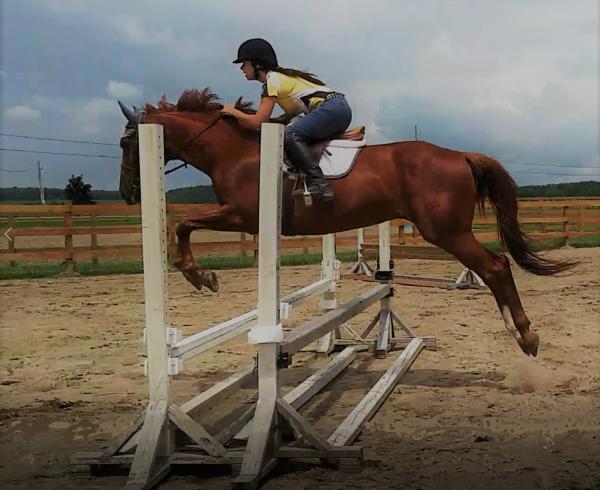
column 474, row 414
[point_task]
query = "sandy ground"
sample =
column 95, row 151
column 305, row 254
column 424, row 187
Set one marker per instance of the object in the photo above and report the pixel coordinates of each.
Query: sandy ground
column 475, row 414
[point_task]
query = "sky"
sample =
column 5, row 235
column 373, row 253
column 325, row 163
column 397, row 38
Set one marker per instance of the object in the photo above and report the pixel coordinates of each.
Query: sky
column 518, row 80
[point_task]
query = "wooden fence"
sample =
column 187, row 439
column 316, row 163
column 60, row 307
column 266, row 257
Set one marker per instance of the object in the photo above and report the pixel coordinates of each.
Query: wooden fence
column 542, row 219
column 68, row 233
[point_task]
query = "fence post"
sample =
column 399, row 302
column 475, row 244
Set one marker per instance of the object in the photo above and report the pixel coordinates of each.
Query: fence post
column 401, row 236
column 304, row 250
column 242, row 245
column 565, row 226
column 69, row 259
column 11, row 243
column 171, row 235
column 94, row 239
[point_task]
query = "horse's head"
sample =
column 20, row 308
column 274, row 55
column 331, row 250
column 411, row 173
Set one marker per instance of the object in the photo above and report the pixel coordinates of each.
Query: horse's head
column 129, row 184
column 186, row 125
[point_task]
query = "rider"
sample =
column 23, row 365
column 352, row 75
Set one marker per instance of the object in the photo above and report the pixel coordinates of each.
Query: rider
column 325, row 112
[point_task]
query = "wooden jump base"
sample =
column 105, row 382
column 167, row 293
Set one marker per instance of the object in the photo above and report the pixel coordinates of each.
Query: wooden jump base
column 361, row 270
column 149, row 448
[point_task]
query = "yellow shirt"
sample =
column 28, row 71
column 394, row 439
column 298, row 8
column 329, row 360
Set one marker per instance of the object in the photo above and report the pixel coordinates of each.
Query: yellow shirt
column 293, row 93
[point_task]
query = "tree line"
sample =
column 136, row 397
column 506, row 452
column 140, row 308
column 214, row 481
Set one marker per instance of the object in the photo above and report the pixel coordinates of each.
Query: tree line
column 78, row 192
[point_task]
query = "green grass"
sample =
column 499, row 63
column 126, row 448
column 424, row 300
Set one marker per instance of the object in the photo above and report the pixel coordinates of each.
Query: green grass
column 41, row 270
column 58, row 221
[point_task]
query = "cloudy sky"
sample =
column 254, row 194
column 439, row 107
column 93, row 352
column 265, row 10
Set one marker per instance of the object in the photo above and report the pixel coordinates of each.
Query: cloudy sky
column 515, row 79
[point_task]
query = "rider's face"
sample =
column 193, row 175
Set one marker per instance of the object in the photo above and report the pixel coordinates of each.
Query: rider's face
column 248, row 70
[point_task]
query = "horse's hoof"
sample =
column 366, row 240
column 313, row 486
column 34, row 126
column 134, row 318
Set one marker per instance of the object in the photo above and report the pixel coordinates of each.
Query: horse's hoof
column 532, row 341
column 210, row 280
column 193, row 277
column 529, row 343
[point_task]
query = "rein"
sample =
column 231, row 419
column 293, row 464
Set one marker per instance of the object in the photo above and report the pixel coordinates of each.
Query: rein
column 194, row 138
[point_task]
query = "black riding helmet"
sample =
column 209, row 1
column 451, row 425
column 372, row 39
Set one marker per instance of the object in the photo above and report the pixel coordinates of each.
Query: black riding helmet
column 257, row 50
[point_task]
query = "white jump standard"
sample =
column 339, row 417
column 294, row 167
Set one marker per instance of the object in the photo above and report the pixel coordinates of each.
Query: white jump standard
column 273, row 427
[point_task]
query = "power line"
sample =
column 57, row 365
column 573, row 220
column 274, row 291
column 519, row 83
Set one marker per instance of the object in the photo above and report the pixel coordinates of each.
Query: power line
column 60, row 153
column 57, row 139
column 13, row 171
column 516, row 172
column 560, row 165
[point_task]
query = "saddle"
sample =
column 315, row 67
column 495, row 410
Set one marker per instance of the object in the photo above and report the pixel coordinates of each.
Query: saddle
column 336, row 159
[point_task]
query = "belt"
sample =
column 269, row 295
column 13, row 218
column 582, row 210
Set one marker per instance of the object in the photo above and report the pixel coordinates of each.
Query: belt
column 321, row 95
column 333, row 95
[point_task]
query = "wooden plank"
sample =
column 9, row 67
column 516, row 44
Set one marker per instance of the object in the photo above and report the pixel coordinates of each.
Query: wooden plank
column 383, row 337
column 34, row 209
column 351, row 427
column 300, row 425
column 312, row 385
column 69, row 257
column 304, row 334
column 220, row 390
column 189, row 458
column 148, row 443
column 124, row 437
column 75, row 230
column 100, row 458
column 401, row 342
column 309, row 453
column 179, row 209
column 260, row 436
column 227, row 434
column 195, row 431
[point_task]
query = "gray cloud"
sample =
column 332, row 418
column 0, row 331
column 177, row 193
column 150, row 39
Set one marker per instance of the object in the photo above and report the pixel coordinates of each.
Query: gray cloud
column 516, row 79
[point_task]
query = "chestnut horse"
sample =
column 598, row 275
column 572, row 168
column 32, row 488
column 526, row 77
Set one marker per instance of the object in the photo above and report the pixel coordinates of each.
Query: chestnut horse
column 435, row 188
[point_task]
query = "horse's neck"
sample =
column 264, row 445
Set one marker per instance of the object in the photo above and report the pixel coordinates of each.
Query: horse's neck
column 209, row 151
column 225, row 147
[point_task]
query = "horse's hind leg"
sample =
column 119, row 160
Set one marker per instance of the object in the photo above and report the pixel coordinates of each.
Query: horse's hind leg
column 213, row 217
column 495, row 271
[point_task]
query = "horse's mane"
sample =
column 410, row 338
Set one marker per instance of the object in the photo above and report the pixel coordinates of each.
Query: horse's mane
column 196, row 101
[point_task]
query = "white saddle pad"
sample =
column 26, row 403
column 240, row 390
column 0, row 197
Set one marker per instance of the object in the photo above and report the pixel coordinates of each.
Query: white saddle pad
column 338, row 157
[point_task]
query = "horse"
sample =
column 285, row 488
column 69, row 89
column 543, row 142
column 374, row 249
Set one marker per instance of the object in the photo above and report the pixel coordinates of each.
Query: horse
column 435, row 188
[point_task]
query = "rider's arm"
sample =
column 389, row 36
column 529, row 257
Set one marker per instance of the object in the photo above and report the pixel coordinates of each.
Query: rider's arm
column 253, row 121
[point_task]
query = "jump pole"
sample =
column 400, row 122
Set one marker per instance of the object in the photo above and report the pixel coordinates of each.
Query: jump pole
column 264, row 446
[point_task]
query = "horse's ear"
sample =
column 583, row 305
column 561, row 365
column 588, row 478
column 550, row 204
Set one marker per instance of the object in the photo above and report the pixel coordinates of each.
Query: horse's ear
column 131, row 116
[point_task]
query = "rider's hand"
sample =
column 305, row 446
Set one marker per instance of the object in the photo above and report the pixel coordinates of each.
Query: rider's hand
column 228, row 109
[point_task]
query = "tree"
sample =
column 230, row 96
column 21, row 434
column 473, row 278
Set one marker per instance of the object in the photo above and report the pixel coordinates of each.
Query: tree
column 78, row 192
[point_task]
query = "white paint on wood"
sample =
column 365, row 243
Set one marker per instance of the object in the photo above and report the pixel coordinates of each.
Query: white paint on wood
column 154, row 237
column 313, row 329
column 148, row 444
column 384, row 246
column 268, row 327
column 349, row 429
column 313, row 384
column 195, row 432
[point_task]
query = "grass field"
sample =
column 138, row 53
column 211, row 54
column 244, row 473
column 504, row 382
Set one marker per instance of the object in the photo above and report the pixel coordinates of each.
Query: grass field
column 39, row 270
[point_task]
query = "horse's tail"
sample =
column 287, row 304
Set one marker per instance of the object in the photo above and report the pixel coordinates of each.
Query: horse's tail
column 494, row 182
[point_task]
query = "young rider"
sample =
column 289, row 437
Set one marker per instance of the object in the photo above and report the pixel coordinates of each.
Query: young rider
column 325, row 113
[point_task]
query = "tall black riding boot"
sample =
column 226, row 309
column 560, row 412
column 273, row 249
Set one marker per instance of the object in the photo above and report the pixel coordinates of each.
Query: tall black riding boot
column 304, row 158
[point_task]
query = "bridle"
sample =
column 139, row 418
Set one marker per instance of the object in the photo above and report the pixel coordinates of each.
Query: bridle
column 131, row 130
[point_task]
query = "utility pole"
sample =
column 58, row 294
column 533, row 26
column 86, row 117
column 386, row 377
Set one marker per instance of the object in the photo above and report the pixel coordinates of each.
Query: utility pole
column 42, row 197
column 416, row 138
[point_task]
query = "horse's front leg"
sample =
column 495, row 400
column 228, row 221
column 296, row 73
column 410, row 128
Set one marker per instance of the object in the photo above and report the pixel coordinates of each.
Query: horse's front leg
column 213, row 217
